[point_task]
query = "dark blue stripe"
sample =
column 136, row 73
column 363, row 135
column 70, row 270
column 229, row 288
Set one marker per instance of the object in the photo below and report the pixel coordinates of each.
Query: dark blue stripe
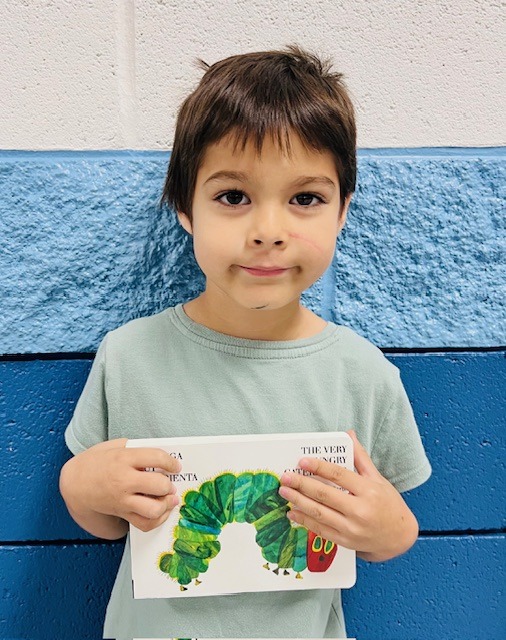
column 448, row 588
column 443, row 588
column 458, row 399
column 51, row 592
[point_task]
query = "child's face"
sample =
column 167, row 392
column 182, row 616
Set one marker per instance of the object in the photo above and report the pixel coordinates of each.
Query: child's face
column 264, row 226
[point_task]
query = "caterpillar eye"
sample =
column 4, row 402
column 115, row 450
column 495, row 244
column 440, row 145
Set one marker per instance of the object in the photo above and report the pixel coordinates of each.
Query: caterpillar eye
column 329, row 546
column 317, row 544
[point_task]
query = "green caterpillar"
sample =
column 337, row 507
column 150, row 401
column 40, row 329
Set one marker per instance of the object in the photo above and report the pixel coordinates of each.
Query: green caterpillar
column 250, row 497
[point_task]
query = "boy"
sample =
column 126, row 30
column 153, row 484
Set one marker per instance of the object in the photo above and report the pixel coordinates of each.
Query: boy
column 261, row 175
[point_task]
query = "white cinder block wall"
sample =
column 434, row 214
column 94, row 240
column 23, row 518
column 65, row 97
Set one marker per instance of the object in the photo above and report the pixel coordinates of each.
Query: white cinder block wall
column 110, row 74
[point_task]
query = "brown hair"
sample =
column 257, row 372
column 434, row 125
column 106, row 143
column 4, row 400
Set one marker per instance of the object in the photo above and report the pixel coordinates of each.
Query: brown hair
column 250, row 95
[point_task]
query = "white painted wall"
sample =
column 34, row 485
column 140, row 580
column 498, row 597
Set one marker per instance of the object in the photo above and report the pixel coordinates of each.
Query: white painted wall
column 110, row 74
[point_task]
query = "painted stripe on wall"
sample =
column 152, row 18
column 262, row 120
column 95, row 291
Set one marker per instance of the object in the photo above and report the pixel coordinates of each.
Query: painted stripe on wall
column 458, row 401
column 56, row 592
column 421, row 262
column 444, row 588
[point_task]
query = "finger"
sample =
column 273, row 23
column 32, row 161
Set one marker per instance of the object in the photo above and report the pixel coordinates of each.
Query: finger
column 150, row 507
column 316, row 510
column 336, row 474
column 153, row 484
column 147, row 458
column 361, row 459
column 299, row 490
column 145, row 524
column 320, row 528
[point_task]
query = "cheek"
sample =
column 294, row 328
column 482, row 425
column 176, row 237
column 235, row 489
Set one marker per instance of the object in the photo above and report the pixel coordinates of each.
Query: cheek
column 202, row 252
column 319, row 247
column 210, row 250
column 310, row 242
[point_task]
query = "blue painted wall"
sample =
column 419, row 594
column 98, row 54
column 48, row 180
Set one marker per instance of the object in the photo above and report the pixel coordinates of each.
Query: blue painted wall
column 420, row 265
column 421, row 262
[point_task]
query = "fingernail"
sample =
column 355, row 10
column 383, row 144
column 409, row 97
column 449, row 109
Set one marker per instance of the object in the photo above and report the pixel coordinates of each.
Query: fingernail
column 291, row 515
column 284, row 492
column 286, row 479
column 306, row 463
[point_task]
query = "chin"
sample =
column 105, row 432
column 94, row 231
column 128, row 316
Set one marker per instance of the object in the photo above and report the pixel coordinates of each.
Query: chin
column 266, row 303
column 262, row 305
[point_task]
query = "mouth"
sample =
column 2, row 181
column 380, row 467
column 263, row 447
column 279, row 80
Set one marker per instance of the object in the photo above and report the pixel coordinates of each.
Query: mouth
column 264, row 272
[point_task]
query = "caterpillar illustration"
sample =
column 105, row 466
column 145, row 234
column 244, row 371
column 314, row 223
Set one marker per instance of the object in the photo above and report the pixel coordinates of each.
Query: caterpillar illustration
column 250, row 497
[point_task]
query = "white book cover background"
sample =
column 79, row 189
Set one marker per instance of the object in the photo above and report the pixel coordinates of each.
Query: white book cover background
column 239, row 566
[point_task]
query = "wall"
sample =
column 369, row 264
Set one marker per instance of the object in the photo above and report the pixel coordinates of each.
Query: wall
column 89, row 97
column 109, row 74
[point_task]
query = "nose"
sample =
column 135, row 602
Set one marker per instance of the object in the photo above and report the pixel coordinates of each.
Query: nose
column 268, row 228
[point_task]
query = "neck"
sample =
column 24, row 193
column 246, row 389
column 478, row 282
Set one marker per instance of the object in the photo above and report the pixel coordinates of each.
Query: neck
column 292, row 322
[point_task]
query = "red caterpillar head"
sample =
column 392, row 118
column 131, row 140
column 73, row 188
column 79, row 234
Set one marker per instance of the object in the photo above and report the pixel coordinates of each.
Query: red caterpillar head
column 320, row 552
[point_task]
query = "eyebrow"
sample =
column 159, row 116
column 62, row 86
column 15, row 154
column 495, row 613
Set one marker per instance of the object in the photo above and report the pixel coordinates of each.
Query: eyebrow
column 227, row 175
column 323, row 180
column 300, row 182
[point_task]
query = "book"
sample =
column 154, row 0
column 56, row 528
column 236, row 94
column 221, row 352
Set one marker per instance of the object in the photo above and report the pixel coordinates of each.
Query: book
column 230, row 532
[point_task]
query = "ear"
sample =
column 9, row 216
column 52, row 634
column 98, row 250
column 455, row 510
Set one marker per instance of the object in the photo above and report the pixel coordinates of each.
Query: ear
column 344, row 212
column 185, row 222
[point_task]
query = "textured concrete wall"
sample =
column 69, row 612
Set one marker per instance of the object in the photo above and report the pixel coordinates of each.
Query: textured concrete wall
column 108, row 74
column 421, row 262
column 448, row 586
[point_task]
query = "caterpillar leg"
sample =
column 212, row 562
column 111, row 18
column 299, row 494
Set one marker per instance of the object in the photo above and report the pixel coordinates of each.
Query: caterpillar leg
column 266, row 566
column 181, row 567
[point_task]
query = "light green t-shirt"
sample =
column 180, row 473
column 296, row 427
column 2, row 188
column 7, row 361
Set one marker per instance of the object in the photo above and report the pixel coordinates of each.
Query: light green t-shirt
column 166, row 375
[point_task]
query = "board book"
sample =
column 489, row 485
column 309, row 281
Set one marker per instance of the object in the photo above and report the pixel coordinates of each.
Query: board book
column 230, row 533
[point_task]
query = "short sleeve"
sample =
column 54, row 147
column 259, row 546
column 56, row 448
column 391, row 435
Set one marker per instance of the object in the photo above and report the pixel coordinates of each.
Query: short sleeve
column 89, row 422
column 398, row 451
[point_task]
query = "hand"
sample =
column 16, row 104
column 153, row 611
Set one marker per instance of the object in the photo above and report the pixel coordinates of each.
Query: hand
column 372, row 518
column 111, row 480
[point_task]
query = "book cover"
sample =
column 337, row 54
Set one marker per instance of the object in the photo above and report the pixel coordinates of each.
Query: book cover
column 230, row 533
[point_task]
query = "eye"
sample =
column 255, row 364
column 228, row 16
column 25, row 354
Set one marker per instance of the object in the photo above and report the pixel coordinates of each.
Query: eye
column 307, row 200
column 328, row 547
column 317, row 544
column 232, row 198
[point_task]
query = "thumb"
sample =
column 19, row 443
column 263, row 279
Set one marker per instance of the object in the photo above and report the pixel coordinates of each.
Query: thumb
column 363, row 463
